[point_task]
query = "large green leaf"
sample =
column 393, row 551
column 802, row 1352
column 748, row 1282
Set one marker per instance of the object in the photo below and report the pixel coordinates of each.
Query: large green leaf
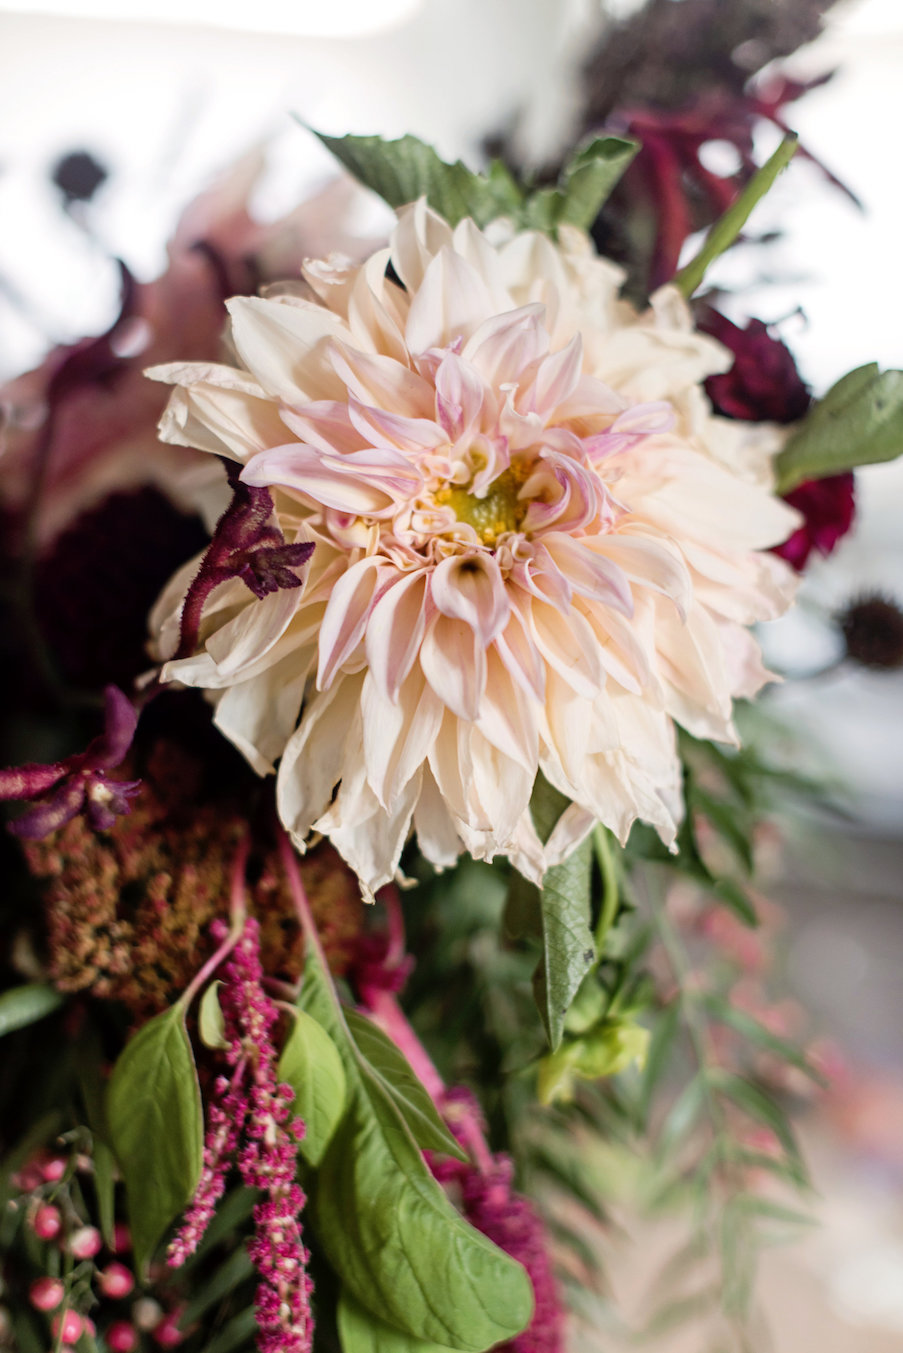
column 409, row 1094
column 156, row 1127
column 403, row 170
column 858, row 422
column 24, row 1005
column 311, row 1065
column 568, row 947
column 387, row 1227
column 362, row 1332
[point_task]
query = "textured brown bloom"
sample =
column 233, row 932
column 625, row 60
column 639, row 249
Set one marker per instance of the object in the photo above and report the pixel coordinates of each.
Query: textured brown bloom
column 129, row 911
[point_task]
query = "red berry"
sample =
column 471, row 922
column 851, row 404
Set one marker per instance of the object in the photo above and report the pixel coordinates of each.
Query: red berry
column 45, row 1294
column 47, row 1222
column 85, row 1242
column 122, row 1240
column 72, row 1327
column 167, row 1334
column 53, row 1169
column 121, row 1337
column 115, row 1281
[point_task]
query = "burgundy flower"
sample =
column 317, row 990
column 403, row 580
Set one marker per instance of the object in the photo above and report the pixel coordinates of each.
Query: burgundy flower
column 763, row 385
column 828, row 507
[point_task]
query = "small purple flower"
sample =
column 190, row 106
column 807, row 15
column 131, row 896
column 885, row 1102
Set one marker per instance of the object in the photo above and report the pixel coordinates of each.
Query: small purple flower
column 79, row 783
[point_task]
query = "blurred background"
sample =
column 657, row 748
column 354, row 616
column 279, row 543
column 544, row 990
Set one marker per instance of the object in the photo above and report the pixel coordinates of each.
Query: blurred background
column 116, row 114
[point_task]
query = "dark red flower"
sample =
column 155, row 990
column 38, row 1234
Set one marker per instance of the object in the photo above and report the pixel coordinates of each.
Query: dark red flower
column 763, row 385
column 828, row 507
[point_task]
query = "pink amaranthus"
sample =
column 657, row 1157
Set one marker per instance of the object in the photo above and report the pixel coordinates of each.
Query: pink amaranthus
column 250, row 1125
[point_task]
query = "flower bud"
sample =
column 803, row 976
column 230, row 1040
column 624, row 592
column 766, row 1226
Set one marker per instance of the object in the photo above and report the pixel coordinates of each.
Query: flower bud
column 45, row 1294
column 47, row 1222
column 115, row 1281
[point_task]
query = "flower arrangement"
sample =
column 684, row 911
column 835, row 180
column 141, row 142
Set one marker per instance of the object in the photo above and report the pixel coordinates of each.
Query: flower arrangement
column 414, row 857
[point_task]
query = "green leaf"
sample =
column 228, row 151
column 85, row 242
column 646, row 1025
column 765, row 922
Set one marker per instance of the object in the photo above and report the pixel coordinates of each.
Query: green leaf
column 25, row 1005
column 403, row 170
column 757, row 1104
column 569, row 950
column 586, row 182
column 104, row 1186
column 362, row 1332
column 238, row 1333
column 311, row 1065
column 211, row 1025
column 762, row 1038
column 387, row 1227
column 730, row 822
column 658, row 1058
column 411, row 1098
column 604, row 1051
column 858, row 422
column 736, row 900
column 223, row 1279
column 156, row 1127
column 728, row 226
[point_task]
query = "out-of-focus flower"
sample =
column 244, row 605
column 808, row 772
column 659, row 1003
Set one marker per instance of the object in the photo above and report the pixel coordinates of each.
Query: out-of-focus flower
column 763, row 383
column 84, row 422
column 872, row 628
column 535, row 547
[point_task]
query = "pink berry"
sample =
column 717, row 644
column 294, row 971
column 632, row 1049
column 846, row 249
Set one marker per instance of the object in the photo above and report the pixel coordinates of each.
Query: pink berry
column 115, row 1281
column 47, row 1222
column 121, row 1337
column 53, row 1169
column 167, row 1334
column 45, row 1294
column 85, row 1242
column 68, row 1328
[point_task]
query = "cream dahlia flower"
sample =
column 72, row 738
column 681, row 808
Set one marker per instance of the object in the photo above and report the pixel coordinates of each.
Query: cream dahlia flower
column 535, row 547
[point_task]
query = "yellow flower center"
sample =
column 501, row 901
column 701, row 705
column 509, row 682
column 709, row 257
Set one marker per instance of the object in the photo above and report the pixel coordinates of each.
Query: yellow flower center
column 497, row 511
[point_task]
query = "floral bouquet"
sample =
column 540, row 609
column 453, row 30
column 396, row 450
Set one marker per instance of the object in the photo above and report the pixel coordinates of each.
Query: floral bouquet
column 389, row 840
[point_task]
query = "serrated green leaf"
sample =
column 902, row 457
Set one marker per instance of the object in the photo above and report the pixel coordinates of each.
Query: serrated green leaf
column 569, row 950
column 411, row 1098
column 21, row 1006
column 156, row 1127
column 858, row 422
column 591, row 175
column 211, row 1025
column 402, row 171
column 362, row 1332
column 311, row 1065
column 387, row 1227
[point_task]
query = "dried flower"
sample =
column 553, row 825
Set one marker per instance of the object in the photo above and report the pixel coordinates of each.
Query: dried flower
column 535, row 548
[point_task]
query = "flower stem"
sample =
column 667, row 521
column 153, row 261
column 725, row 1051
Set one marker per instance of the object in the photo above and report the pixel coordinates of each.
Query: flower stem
column 237, row 916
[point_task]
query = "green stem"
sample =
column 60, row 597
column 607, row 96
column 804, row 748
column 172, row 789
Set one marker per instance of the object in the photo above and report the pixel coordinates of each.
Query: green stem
column 726, row 229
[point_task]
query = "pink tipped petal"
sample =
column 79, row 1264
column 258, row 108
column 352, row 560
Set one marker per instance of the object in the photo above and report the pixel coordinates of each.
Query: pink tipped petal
column 459, row 396
column 556, row 379
column 567, row 645
column 394, row 431
column 381, row 382
column 325, row 424
column 368, row 481
column 517, row 650
column 470, row 588
column 505, row 345
column 348, row 611
column 590, row 574
column 396, row 630
column 451, row 300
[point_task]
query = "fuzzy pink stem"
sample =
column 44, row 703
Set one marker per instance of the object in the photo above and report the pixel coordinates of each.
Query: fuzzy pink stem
column 237, row 914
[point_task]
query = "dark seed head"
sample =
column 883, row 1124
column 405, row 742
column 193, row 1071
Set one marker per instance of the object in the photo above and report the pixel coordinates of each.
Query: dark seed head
column 872, row 628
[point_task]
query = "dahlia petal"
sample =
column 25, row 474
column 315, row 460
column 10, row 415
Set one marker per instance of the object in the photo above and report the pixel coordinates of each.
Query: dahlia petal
column 517, row 650
column 420, row 234
column 394, row 431
column 459, row 396
column 507, row 717
column 368, row 481
column 314, row 756
column 572, row 827
column 251, row 634
column 504, row 345
column 285, row 347
column 590, row 574
column 377, row 310
column 258, row 716
column 470, row 588
column 324, row 424
column 451, row 763
column 369, row 839
column 382, row 382
column 647, row 562
column 454, row 663
column 348, row 610
column 452, row 299
column 395, row 631
column 567, row 645
column 500, row 780
column 436, row 832
column 555, row 381
column 397, row 734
